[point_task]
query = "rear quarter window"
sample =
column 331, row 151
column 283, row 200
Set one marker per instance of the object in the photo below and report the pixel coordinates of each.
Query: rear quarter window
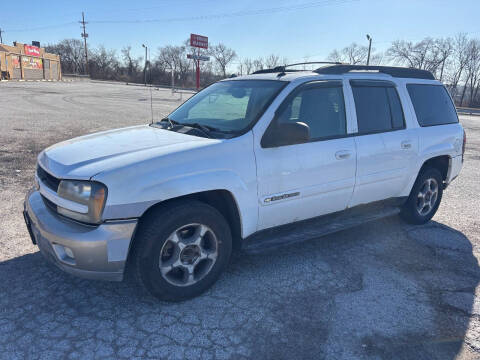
column 432, row 104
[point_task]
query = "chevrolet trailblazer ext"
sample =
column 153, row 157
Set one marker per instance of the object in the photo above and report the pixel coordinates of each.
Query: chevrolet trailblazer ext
column 258, row 160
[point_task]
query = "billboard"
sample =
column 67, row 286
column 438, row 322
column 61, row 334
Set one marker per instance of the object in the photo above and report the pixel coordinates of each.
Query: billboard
column 31, row 63
column 199, row 41
column 15, row 61
column 32, row 50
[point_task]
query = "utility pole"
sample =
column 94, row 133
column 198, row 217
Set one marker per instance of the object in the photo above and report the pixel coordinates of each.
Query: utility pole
column 1, row 40
column 369, row 38
column 84, row 36
column 145, row 67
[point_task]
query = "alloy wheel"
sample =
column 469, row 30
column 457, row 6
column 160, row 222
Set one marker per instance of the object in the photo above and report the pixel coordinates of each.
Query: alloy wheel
column 188, row 254
column 427, row 196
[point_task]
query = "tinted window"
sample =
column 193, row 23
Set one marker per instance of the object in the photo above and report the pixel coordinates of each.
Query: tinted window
column 432, row 104
column 373, row 111
column 321, row 108
column 395, row 108
column 378, row 108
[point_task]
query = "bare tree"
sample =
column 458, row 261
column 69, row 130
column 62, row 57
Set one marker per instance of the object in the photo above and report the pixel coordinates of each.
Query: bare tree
column 455, row 61
column 353, row 54
column 272, row 61
column 459, row 59
column 247, row 65
column 240, row 68
column 444, row 51
column 258, row 64
column 103, row 64
column 335, row 55
column 472, row 71
column 175, row 57
column 71, row 53
column 422, row 55
column 131, row 63
column 223, row 56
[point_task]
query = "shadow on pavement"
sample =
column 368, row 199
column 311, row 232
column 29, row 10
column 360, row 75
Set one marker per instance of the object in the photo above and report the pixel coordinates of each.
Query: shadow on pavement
column 381, row 291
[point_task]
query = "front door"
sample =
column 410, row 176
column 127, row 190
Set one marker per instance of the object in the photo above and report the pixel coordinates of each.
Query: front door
column 301, row 181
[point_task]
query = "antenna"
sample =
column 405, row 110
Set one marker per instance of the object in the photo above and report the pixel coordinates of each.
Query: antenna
column 151, row 104
column 150, row 78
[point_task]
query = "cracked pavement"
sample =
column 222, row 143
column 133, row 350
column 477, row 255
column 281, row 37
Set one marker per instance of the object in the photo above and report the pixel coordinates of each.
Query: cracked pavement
column 380, row 291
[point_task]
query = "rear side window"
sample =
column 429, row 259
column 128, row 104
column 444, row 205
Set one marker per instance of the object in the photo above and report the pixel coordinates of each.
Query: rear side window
column 378, row 107
column 432, row 104
column 395, row 108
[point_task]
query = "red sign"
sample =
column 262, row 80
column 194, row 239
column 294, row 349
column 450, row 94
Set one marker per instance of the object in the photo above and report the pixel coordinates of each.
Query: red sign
column 199, row 41
column 32, row 50
column 16, row 61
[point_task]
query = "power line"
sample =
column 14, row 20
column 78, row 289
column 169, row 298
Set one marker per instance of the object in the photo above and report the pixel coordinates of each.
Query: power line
column 277, row 9
column 56, row 26
column 272, row 10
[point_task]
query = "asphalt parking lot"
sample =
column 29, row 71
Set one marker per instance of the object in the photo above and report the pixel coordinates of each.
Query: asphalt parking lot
column 385, row 290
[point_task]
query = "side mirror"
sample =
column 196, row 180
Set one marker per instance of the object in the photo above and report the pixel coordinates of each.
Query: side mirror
column 281, row 134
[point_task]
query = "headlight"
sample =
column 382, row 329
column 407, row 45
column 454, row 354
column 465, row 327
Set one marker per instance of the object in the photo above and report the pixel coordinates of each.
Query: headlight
column 89, row 193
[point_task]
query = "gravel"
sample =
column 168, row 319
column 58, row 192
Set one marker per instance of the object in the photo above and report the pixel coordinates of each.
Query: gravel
column 383, row 290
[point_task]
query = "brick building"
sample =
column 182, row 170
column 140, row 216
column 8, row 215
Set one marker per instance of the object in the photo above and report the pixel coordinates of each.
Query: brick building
column 28, row 62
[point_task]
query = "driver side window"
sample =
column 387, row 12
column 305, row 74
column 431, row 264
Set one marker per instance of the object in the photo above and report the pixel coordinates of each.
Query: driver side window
column 321, row 108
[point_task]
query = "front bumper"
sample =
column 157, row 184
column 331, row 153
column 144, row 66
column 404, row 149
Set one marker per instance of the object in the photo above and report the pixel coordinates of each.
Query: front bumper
column 99, row 252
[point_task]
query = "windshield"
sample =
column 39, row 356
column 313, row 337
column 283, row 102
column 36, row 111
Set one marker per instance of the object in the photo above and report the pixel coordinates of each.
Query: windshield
column 229, row 106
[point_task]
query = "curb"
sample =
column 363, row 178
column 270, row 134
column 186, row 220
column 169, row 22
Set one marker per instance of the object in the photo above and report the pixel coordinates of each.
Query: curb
column 36, row 80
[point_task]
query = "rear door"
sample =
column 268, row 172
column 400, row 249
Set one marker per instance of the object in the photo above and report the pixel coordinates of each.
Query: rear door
column 301, row 181
column 386, row 149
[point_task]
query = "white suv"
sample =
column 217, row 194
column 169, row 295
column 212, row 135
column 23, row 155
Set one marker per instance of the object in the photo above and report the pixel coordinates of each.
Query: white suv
column 249, row 162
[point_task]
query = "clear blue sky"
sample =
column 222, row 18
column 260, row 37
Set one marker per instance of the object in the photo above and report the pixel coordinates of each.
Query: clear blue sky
column 294, row 29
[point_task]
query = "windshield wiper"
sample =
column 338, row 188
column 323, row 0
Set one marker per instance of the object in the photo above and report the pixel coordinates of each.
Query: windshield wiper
column 170, row 121
column 203, row 128
column 206, row 129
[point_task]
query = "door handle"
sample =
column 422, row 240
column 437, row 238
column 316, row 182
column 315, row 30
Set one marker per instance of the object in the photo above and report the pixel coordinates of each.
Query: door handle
column 406, row 144
column 342, row 154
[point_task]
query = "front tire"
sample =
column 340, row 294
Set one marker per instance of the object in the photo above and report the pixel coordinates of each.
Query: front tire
column 425, row 197
column 181, row 250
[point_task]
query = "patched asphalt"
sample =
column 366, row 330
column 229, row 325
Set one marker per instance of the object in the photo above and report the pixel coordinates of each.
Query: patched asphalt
column 384, row 290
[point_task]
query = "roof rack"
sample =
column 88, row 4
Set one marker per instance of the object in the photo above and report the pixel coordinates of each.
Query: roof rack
column 283, row 68
column 399, row 72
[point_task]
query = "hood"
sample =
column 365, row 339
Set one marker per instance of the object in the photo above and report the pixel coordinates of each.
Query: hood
column 85, row 156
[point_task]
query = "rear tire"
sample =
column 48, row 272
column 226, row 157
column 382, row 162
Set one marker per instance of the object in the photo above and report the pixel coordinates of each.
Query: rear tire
column 425, row 197
column 181, row 250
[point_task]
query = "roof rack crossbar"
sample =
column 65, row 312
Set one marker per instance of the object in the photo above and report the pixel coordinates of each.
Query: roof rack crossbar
column 283, row 68
column 316, row 62
column 389, row 70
